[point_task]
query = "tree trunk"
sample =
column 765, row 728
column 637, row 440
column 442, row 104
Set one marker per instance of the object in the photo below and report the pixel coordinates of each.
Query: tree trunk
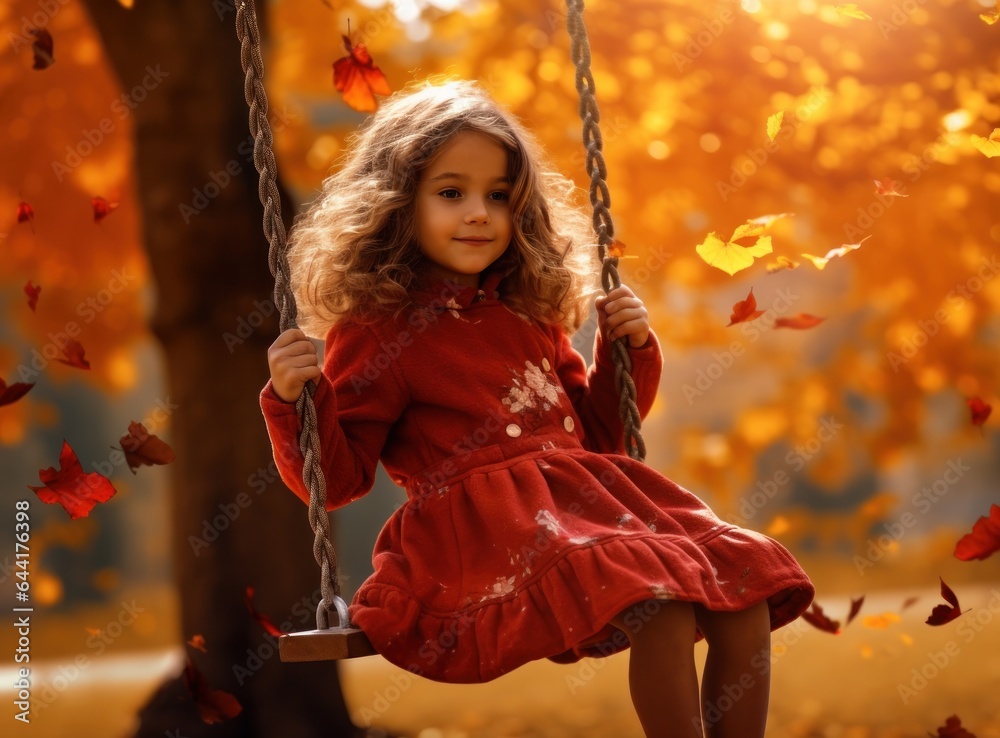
column 234, row 524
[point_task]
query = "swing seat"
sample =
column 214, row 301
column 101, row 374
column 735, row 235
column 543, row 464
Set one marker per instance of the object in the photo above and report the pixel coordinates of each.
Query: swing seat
column 329, row 644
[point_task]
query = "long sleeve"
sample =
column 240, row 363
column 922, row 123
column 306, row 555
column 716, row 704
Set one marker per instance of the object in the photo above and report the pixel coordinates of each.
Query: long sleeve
column 357, row 399
column 592, row 390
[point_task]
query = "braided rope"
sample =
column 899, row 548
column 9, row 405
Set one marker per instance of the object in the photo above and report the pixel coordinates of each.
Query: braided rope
column 277, row 259
column 600, row 199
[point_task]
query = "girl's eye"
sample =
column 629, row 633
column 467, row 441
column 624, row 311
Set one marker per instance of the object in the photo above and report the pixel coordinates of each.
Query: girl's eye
column 446, row 194
column 502, row 195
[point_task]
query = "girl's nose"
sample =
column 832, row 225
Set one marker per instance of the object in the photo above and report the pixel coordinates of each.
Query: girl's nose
column 477, row 212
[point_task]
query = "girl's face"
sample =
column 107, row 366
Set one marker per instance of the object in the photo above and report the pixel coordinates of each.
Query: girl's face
column 463, row 208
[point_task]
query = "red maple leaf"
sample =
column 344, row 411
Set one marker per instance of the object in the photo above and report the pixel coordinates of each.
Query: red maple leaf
column 263, row 620
column 76, row 491
column 980, row 410
column 984, row 538
column 14, row 392
column 818, row 619
column 358, row 79
column 32, row 292
column 143, row 448
column 73, row 352
column 952, row 728
column 800, row 321
column 102, row 208
column 745, row 310
column 214, row 705
column 26, row 213
column 942, row 614
column 42, row 48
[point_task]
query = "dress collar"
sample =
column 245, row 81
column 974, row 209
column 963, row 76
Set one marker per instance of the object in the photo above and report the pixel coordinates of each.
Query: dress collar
column 445, row 293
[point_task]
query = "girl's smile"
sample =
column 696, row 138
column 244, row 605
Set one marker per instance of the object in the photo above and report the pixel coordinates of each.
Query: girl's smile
column 463, row 208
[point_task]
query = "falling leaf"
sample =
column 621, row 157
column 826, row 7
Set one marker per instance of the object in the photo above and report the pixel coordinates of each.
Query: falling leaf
column 908, row 602
column 143, row 448
column 357, row 77
column 14, row 392
column 73, row 352
column 990, row 17
column 42, row 48
column 889, row 187
column 802, row 321
column 730, row 256
column 214, row 705
column 745, row 310
column 990, row 147
column 774, row 124
column 952, row 728
column 984, row 539
column 198, row 641
column 880, row 622
column 907, row 640
column 32, row 292
column 766, row 220
column 855, row 607
column 816, row 618
column 851, row 10
column 980, row 410
column 262, row 620
column 76, row 491
column 617, row 251
column 942, row 614
column 783, row 262
column 25, row 213
column 102, row 208
column 820, row 262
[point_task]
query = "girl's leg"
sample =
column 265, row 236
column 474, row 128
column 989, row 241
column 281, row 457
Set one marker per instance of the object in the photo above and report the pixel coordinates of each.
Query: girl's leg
column 661, row 672
column 735, row 684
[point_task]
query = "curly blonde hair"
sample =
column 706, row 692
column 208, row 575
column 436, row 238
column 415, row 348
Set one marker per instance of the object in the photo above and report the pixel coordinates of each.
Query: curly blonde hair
column 353, row 252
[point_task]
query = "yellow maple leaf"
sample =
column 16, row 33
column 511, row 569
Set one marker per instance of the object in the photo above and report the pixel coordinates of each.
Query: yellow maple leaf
column 766, row 220
column 731, row 257
column 990, row 17
column 774, row 124
column 990, row 147
column 850, row 10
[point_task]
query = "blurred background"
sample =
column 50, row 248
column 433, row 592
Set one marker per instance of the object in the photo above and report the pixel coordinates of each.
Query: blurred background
column 851, row 442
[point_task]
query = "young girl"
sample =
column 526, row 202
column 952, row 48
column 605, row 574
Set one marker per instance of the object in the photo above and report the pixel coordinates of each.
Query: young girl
column 446, row 271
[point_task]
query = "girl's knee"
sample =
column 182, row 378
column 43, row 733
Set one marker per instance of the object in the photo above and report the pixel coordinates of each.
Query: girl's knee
column 656, row 616
column 720, row 626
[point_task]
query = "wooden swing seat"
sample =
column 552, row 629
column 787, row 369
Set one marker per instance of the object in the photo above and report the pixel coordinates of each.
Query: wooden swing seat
column 329, row 644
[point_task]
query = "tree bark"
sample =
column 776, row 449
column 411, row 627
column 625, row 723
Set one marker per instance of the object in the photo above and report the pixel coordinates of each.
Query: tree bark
column 208, row 258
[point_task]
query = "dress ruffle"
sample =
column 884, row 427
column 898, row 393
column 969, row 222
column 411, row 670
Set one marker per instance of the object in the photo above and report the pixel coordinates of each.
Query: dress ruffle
column 561, row 542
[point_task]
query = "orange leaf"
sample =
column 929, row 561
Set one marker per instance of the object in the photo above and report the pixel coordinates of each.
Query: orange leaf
column 73, row 352
column 889, row 187
column 32, row 292
column 198, row 641
column 76, row 491
column 263, row 620
column 42, row 48
column 214, row 705
column 942, row 614
column 357, row 77
column 801, row 321
column 26, row 213
column 984, row 539
column 745, row 310
column 143, row 448
column 818, row 619
column 855, row 606
column 14, row 392
column 783, row 262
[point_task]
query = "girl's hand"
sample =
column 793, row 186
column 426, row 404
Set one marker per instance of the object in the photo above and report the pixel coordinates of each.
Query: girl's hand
column 621, row 313
column 293, row 361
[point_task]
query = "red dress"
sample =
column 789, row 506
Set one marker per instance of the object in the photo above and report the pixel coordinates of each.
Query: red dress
column 526, row 527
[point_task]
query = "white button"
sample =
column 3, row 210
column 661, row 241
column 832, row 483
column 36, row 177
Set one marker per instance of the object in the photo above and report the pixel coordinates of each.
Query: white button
column 513, row 430
column 568, row 423
column 545, row 364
